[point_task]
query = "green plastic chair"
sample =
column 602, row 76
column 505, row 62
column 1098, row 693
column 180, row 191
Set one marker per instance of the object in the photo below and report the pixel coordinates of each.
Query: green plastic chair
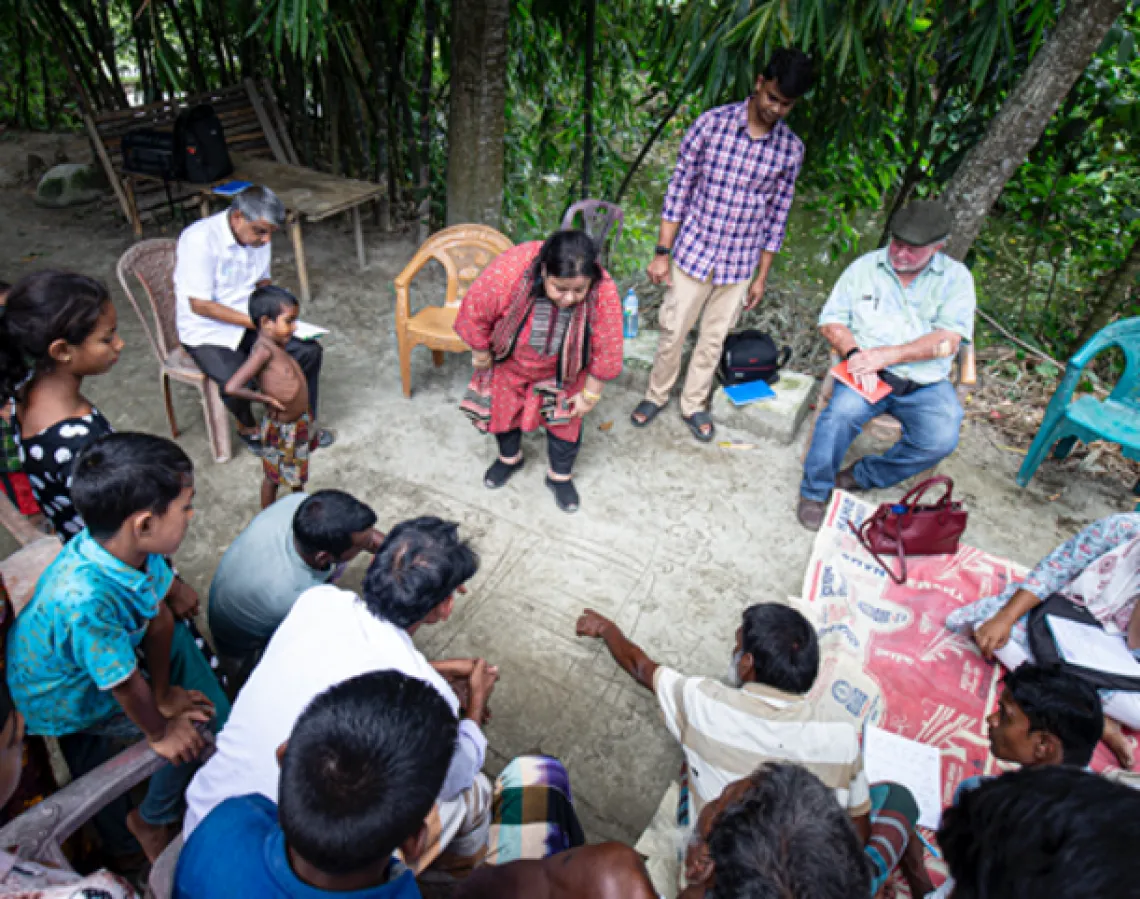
column 1115, row 419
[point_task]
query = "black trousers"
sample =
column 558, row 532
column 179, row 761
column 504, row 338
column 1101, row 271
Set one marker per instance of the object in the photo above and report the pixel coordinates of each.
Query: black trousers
column 562, row 452
column 219, row 363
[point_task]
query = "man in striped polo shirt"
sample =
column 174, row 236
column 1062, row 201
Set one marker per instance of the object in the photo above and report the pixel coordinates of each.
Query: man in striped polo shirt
column 728, row 731
column 723, row 222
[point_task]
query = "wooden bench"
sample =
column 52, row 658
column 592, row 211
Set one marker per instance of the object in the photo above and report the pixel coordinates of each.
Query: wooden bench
column 262, row 153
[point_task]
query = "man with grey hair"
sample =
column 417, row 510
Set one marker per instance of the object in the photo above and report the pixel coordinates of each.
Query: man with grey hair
column 897, row 316
column 221, row 260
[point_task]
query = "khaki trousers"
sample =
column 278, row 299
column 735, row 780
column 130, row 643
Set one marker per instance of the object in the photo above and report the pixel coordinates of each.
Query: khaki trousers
column 718, row 306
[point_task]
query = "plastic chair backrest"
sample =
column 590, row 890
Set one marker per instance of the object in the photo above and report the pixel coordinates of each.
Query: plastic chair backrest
column 1126, row 335
column 463, row 251
column 152, row 263
column 598, row 218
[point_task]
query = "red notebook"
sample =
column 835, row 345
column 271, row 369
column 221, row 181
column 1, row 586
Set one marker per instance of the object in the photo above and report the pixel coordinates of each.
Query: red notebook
column 843, row 376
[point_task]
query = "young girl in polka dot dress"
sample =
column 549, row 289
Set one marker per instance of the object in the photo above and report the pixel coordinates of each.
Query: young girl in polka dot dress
column 57, row 329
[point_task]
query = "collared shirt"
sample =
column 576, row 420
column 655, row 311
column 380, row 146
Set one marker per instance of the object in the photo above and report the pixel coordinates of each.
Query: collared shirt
column 732, row 194
column 76, row 639
column 212, row 265
column 258, row 579
column 328, row 637
column 240, row 851
column 726, row 732
column 870, row 300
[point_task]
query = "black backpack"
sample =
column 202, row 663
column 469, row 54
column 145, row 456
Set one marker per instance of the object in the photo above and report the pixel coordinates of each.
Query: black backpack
column 147, row 151
column 751, row 356
column 200, row 154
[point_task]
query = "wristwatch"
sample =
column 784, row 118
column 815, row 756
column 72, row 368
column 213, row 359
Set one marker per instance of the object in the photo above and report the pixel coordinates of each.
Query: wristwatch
column 662, row 250
column 851, row 352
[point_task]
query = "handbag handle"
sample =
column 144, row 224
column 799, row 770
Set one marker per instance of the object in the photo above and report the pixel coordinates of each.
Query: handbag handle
column 916, row 493
column 900, row 550
column 784, row 357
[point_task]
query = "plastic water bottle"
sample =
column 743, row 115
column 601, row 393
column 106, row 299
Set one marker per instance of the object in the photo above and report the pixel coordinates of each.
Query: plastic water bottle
column 629, row 315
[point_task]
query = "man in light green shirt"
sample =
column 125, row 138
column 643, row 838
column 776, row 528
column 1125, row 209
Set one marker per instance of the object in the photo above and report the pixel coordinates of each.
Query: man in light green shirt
column 898, row 316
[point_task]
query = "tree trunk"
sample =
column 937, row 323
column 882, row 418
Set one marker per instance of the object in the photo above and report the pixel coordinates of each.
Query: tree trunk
column 1019, row 124
column 108, row 48
column 477, row 121
column 588, row 97
column 49, row 100
column 427, row 62
column 1121, row 284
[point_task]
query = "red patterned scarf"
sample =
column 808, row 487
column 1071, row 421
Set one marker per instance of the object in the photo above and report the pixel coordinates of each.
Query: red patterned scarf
column 572, row 355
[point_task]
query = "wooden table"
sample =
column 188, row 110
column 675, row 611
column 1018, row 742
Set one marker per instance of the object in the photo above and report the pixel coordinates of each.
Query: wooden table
column 305, row 192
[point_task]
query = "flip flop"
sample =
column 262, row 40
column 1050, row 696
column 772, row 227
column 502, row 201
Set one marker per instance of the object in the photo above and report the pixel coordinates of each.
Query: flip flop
column 698, row 420
column 647, row 410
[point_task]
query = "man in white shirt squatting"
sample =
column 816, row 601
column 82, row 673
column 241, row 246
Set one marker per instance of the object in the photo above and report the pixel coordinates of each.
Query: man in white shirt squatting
column 331, row 635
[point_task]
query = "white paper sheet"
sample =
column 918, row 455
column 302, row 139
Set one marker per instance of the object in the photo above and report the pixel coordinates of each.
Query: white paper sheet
column 306, row 331
column 887, row 756
column 1090, row 647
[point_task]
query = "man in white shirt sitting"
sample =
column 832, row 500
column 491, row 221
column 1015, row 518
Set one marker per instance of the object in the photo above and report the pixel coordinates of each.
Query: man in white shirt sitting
column 331, row 635
column 221, row 260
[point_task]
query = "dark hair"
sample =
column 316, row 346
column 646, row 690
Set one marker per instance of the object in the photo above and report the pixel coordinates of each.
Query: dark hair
column 418, row 566
column 792, row 70
column 783, row 646
column 567, row 254
column 1061, row 704
column 787, row 837
column 363, row 765
column 5, row 286
column 1051, row 831
column 326, row 521
column 42, row 308
column 117, row 475
column 269, row 302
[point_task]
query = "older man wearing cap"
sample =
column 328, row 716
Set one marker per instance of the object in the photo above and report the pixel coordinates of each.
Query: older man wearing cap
column 897, row 315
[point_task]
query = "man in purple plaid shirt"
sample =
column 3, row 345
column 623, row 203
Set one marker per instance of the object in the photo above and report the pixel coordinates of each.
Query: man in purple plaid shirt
column 725, row 214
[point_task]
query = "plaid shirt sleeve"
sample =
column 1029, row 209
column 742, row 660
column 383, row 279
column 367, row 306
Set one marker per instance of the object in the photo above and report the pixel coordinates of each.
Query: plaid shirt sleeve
column 781, row 203
column 685, row 173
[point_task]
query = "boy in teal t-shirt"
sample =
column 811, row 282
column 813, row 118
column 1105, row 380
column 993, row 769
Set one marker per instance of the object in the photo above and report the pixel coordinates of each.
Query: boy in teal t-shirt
column 72, row 665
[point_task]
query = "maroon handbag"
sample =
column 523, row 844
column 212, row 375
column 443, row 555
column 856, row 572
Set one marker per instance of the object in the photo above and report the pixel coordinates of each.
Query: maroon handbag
column 909, row 528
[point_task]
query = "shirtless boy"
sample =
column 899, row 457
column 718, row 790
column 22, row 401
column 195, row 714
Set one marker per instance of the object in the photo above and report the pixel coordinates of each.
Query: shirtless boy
column 281, row 386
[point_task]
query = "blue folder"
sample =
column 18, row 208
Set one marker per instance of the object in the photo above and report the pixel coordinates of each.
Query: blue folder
column 232, row 187
column 752, row 392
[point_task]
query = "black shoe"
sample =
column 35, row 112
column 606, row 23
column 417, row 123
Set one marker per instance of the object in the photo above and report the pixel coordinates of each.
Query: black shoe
column 565, row 494
column 499, row 473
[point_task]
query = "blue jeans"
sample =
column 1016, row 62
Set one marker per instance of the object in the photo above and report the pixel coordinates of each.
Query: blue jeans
column 931, row 418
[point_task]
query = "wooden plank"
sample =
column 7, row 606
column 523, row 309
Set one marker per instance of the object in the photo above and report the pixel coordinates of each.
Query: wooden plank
column 279, row 122
column 316, row 195
column 263, row 119
column 112, row 175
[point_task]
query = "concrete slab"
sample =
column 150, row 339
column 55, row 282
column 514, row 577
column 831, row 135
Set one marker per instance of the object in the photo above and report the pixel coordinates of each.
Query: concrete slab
column 776, row 419
column 674, row 538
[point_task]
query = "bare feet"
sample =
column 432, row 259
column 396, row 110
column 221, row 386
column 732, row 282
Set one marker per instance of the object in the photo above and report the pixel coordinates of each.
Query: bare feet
column 1120, row 745
column 153, row 838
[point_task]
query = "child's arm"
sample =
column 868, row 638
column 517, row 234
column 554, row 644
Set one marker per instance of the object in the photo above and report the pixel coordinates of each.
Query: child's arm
column 235, row 386
column 171, row 701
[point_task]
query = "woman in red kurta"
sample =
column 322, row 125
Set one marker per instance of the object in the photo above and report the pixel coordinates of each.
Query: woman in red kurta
column 544, row 323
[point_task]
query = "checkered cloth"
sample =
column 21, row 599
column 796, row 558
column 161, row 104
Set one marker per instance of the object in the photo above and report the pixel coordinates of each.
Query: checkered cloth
column 732, row 192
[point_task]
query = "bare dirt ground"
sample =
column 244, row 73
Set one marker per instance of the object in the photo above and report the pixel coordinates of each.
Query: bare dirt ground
column 674, row 538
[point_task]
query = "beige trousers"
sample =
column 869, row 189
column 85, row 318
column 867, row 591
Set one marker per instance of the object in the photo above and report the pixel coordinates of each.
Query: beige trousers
column 718, row 307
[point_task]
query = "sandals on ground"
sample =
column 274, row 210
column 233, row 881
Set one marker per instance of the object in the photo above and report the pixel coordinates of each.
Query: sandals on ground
column 697, row 421
column 499, row 473
column 647, row 410
column 565, row 494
